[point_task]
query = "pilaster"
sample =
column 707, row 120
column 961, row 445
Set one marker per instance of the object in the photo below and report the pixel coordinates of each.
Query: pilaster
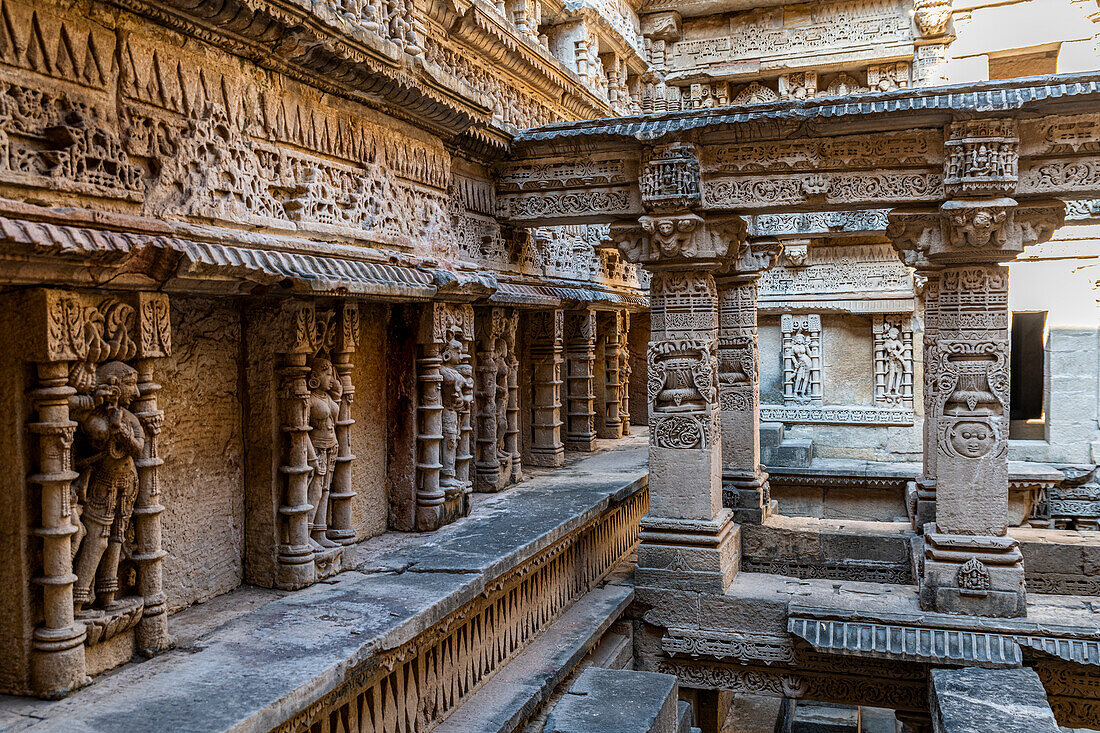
column 546, row 346
column 496, row 398
column 580, row 371
column 610, row 423
column 745, row 483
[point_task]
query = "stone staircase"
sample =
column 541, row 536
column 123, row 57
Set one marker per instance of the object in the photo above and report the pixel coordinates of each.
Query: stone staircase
column 775, row 450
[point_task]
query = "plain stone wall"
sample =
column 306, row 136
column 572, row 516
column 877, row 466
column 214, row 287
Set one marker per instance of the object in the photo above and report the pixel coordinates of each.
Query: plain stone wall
column 369, row 434
column 202, row 479
column 769, row 337
column 847, row 351
column 15, row 511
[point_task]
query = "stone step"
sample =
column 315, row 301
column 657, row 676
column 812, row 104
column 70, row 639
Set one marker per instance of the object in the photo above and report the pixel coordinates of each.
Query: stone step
column 812, row 717
column 771, row 434
column 513, row 694
column 619, row 701
column 793, row 453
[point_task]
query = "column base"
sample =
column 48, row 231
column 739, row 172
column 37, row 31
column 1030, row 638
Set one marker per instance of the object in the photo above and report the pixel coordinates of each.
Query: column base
column 547, row 457
column 583, row 444
column 749, row 496
column 925, row 508
column 296, row 568
column 610, row 432
column 455, row 505
column 58, row 665
column 689, row 554
column 972, row 575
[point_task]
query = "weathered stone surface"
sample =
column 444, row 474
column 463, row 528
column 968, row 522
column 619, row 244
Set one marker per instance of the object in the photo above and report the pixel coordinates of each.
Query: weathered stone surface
column 972, row 700
column 617, row 701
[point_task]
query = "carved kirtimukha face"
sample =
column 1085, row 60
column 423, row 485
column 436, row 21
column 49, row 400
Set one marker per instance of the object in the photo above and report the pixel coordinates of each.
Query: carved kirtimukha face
column 972, row 439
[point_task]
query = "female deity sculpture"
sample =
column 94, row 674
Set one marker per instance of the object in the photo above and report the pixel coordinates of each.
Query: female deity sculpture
column 324, row 408
column 455, row 404
column 803, row 363
column 108, row 484
column 894, row 350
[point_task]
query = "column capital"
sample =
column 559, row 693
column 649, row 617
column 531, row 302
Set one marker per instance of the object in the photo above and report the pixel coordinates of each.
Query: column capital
column 972, row 230
column 754, row 257
column 681, row 240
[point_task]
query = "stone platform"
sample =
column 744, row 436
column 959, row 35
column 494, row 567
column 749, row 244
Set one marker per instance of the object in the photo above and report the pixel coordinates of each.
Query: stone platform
column 251, row 660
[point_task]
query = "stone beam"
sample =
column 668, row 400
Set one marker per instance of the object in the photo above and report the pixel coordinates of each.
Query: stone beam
column 814, row 155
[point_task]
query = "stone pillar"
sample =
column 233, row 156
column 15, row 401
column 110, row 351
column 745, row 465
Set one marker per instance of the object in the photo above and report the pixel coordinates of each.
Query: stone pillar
column 624, row 374
column 154, row 327
column 545, row 344
column 298, row 333
column 496, row 395
column 580, row 362
column 610, row 424
column 57, row 657
column 925, row 510
column 341, row 529
column 444, row 397
column 971, row 564
column 745, row 483
column 688, row 540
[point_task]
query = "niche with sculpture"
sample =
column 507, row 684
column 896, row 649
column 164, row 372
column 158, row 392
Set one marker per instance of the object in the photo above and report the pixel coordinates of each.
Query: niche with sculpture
column 498, row 461
column 801, row 348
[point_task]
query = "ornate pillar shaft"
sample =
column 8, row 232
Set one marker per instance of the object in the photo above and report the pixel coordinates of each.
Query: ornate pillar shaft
column 688, row 540
column 445, row 388
column 545, row 348
column 497, row 401
column 624, row 374
column 925, row 510
column 341, row 528
column 745, row 484
column 57, row 662
column 580, row 362
column 610, row 424
column 295, row 559
column 971, row 564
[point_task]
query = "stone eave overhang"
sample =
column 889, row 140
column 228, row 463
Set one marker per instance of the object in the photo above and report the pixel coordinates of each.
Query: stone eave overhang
column 307, row 42
column 901, row 109
column 935, row 638
column 84, row 248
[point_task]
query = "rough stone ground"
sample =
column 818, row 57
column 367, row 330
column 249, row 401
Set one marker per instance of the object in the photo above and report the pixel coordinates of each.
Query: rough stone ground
column 251, row 658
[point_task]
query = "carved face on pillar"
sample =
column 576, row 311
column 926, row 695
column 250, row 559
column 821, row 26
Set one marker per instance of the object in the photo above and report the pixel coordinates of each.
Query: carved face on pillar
column 972, row 439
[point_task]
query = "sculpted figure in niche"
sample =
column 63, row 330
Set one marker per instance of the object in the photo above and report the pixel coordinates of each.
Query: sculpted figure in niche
column 457, row 380
column 324, row 408
column 800, row 356
column 894, row 349
column 108, row 484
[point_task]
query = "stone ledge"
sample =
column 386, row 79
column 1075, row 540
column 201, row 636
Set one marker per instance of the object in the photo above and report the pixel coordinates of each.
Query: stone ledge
column 256, row 670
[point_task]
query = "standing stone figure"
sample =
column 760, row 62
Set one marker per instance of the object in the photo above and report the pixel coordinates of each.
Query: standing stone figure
column 894, row 350
column 502, row 364
column 108, row 483
column 800, row 355
column 324, row 408
column 457, row 383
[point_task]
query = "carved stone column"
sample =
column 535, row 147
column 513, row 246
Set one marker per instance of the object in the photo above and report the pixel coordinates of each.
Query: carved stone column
column 688, row 539
column 154, row 327
column 745, row 484
column 96, row 419
column 445, row 383
column 971, row 564
column 610, row 423
column 340, row 528
column 580, row 397
column 496, row 395
column 624, row 374
column 298, row 331
column 545, row 344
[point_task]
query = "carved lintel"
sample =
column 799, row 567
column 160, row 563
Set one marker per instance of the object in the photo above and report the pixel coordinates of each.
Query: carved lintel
column 680, row 238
